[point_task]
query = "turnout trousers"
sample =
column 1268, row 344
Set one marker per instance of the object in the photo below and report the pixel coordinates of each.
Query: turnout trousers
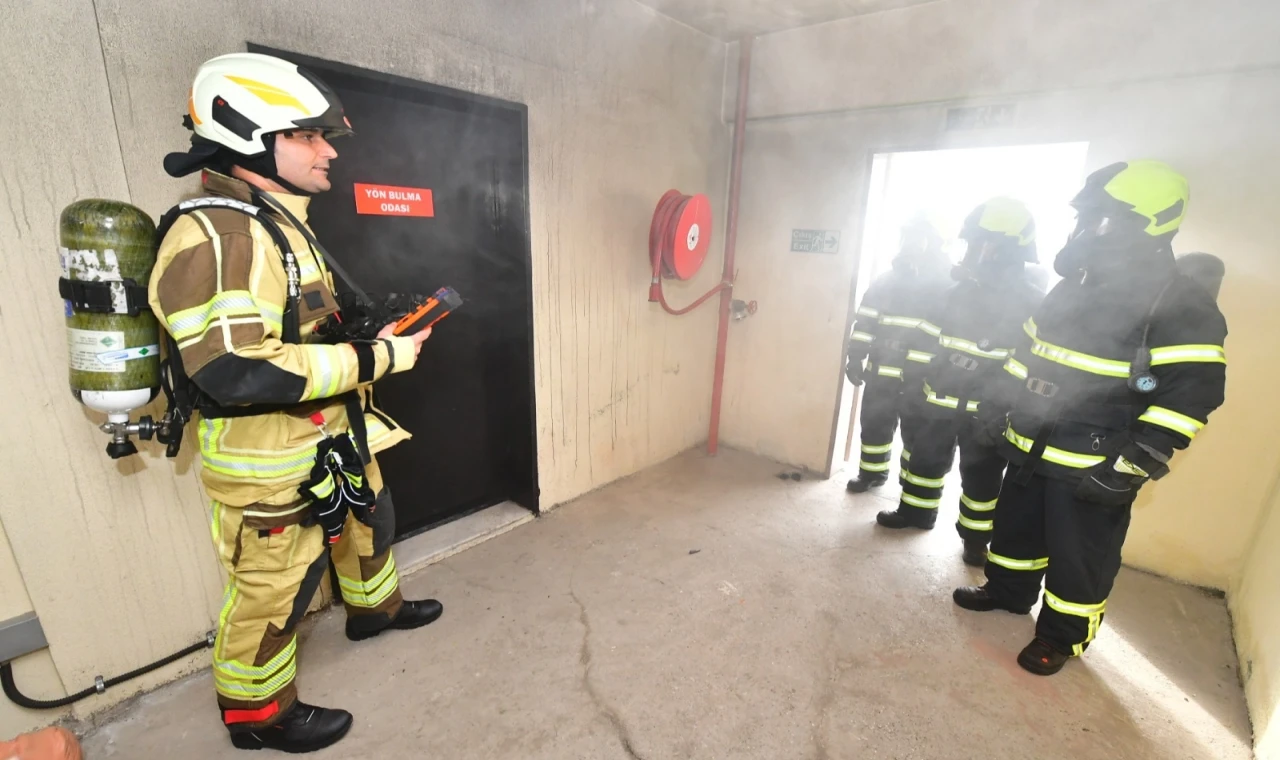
column 1043, row 531
column 931, row 443
column 275, row 567
column 881, row 404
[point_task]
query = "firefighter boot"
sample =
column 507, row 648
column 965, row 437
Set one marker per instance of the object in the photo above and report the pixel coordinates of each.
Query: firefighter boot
column 908, row 518
column 411, row 615
column 977, row 598
column 303, row 729
column 1042, row 658
column 865, row 482
column 975, row 553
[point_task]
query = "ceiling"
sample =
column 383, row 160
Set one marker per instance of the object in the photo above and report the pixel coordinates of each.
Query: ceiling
column 734, row 19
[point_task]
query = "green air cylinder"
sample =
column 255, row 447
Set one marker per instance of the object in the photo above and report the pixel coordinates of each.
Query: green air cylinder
column 114, row 357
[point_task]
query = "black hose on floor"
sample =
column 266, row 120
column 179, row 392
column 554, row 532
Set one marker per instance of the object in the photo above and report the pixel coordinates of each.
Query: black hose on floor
column 22, row 700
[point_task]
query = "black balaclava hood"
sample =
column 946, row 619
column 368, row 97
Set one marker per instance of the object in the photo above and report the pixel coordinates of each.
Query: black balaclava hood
column 206, row 154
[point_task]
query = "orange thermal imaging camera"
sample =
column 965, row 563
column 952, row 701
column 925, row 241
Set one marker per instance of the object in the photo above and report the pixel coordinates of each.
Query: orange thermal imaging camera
column 434, row 309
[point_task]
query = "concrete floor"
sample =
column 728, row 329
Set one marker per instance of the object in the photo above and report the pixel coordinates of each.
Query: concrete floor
column 706, row 609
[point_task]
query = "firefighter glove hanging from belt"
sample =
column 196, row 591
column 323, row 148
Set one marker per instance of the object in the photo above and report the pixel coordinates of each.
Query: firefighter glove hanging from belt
column 337, row 485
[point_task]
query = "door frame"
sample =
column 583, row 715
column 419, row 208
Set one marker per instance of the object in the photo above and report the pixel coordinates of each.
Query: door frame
column 442, row 96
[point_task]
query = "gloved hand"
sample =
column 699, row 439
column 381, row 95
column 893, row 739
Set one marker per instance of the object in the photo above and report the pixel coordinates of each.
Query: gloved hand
column 1114, row 483
column 853, row 371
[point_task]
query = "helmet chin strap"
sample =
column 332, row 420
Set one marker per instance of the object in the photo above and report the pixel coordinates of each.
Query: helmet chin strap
column 264, row 165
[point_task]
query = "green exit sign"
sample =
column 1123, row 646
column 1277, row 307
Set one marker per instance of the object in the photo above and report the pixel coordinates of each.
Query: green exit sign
column 815, row 241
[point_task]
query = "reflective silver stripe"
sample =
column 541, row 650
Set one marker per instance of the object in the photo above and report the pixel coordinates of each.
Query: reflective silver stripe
column 1018, row 564
column 1072, row 608
column 863, row 337
column 982, row 525
column 1189, row 353
column 950, row 402
column 919, row 356
column 978, row 506
column 889, row 372
column 867, row 311
column 922, row 482
column 1158, row 415
column 970, row 347
column 1051, row 454
column 1084, row 362
column 916, row 501
column 873, row 466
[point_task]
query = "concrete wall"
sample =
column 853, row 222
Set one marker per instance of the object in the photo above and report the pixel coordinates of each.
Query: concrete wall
column 890, row 78
column 37, row 667
column 623, row 105
column 115, row 556
column 1255, row 610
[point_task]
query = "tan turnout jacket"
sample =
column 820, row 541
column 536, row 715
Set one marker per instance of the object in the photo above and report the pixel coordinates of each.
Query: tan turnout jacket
column 219, row 288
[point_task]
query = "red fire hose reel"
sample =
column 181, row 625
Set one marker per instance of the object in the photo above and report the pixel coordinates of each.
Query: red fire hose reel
column 679, row 237
column 680, row 234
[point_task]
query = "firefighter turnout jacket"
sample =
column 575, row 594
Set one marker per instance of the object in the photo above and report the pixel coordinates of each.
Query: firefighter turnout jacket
column 219, row 288
column 889, row 317
column 1068, row 390
column 965, row 341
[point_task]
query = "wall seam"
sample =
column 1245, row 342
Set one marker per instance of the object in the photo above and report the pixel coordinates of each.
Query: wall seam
column 115, row 119
column 678, row 22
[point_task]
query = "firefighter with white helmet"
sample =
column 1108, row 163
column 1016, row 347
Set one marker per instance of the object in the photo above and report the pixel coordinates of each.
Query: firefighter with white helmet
column 288, row 428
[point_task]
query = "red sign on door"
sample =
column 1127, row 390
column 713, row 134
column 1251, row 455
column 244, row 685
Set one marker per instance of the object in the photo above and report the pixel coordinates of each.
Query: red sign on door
column 387, row 200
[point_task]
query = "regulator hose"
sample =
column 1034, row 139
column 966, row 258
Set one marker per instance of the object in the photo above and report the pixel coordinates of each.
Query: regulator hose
column 22, row 700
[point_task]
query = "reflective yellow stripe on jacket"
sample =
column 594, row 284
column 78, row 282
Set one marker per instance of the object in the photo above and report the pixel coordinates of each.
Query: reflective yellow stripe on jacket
column 969, row 347
column 950, row 402
column 1076, row 360
column 1175, row 421
column 1051, row 454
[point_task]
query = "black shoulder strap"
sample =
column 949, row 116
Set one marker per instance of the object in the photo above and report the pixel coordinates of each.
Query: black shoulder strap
column 329, row 261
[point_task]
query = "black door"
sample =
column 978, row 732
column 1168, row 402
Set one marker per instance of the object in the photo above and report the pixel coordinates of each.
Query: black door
column 469, row 400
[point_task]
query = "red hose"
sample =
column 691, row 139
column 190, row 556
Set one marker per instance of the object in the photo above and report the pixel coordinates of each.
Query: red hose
column 669, row 209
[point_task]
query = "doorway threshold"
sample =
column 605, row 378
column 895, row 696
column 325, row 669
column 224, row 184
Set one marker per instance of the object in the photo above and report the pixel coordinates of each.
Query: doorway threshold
column 431, row 546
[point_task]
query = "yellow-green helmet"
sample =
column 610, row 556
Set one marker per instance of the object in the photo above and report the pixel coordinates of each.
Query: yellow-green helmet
column 1135, row 197
column 1007, row 223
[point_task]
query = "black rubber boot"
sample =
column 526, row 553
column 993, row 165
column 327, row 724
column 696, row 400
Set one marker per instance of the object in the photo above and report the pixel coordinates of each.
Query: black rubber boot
column 1042, row 658
column 977, row 599
column 923, row 519
column 411, row 615
column 865, row 482
column 975, row 554
column 303, row 729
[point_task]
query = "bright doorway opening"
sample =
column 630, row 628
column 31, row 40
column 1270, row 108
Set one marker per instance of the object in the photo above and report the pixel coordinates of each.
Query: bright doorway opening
column 948, row 184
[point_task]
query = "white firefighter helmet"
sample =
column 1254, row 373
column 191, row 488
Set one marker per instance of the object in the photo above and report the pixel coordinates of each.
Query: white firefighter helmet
column 237, row 98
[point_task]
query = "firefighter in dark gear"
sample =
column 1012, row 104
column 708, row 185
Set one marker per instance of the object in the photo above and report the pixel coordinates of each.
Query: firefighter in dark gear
column 1120, row 366
column 889, row 315
column 241, row 307
column 964, row 342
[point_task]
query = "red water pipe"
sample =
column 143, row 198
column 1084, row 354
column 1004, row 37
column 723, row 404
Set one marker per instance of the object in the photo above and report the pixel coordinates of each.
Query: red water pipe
column 731, row 239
